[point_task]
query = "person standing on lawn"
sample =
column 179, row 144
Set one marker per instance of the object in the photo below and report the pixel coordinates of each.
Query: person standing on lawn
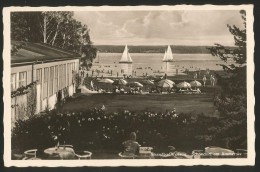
column 212, row 80
column 204, row 80
column 195, row 76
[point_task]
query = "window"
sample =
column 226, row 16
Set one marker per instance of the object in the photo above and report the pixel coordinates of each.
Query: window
column 72, row 72
column 39, row 75
column 56, row 77
column 64, row 75
column 13, row 81
column 51, row 83
column 73, row 66
column 60, row 77
column 45, row 82
column 68, row 73
column 22, row 79
column 76, row 67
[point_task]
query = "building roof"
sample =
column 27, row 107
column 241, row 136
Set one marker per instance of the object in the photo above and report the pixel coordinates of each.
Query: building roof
column 39, row 53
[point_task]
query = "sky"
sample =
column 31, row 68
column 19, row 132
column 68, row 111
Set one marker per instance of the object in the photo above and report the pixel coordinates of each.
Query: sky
column 160, row 27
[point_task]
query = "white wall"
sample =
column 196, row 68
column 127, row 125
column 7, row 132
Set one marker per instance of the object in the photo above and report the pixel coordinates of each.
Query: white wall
column 17, row 70
column 38, row 98
column 50, row 101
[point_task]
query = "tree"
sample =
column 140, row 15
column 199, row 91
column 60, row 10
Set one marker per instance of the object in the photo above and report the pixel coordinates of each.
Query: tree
column 55, row 25
column 88, row 55
column 231, row 129
column 237, row 70
column 25, row 27
column 238, row 54
column 58, row 29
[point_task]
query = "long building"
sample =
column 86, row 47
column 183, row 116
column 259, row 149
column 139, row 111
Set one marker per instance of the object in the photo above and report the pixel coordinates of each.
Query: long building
column 53, row 69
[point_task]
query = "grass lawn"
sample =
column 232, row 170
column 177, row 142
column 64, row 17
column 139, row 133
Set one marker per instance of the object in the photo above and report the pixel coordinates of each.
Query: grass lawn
column 154, row 102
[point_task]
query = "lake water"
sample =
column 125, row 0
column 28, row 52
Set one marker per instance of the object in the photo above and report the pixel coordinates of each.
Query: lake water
column 151, row 64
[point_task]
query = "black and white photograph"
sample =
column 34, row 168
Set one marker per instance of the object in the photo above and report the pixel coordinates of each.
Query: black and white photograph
column 133, row 86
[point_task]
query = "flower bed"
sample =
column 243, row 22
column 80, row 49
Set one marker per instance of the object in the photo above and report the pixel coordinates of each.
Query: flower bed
column 95, row 129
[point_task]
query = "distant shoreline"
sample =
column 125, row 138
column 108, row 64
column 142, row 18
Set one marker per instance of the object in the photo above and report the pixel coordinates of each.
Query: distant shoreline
column 176, row 49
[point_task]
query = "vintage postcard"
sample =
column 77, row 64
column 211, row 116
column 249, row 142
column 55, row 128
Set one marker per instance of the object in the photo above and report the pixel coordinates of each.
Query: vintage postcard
column 129, row 85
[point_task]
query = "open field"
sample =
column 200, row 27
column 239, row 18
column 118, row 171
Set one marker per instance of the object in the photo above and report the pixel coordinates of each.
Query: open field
column 154, row 102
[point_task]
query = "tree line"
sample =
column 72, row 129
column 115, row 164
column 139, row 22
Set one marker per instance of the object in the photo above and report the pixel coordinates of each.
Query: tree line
column 58, row 29
column 178, row 49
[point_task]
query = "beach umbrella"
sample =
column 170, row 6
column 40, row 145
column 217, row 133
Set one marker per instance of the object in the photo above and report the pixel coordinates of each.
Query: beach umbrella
column 166, row 81
column 195, row 83
column 165, row 84
column 148, row 82
column 120, row 82
column 106, row 80
column 183, row 85
column 135, row 84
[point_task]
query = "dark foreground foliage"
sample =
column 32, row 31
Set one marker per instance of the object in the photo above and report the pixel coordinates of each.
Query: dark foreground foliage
column 231, row 101
column 97, row 130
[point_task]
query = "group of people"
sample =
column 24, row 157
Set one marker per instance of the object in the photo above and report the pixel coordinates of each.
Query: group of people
column 212, row 80
column 190, row 91
column 139, row 90
column 131, row 90
column 118, row 90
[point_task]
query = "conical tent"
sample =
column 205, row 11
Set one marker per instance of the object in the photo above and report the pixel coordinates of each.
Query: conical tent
column 126, row 58
column 129, row 56
column 164, row 57
column 169, row 53
column 168, row 57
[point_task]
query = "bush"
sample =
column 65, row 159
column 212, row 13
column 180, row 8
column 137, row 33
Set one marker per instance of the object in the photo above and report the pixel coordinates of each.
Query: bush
column 96, row 129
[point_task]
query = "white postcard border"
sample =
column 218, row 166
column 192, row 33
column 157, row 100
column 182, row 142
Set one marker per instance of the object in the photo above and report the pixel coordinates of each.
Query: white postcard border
column 250, row 160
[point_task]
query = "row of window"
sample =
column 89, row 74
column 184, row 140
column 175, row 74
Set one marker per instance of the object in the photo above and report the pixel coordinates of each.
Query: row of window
column 60, row 77
column 54, row 78
column 22, row 80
